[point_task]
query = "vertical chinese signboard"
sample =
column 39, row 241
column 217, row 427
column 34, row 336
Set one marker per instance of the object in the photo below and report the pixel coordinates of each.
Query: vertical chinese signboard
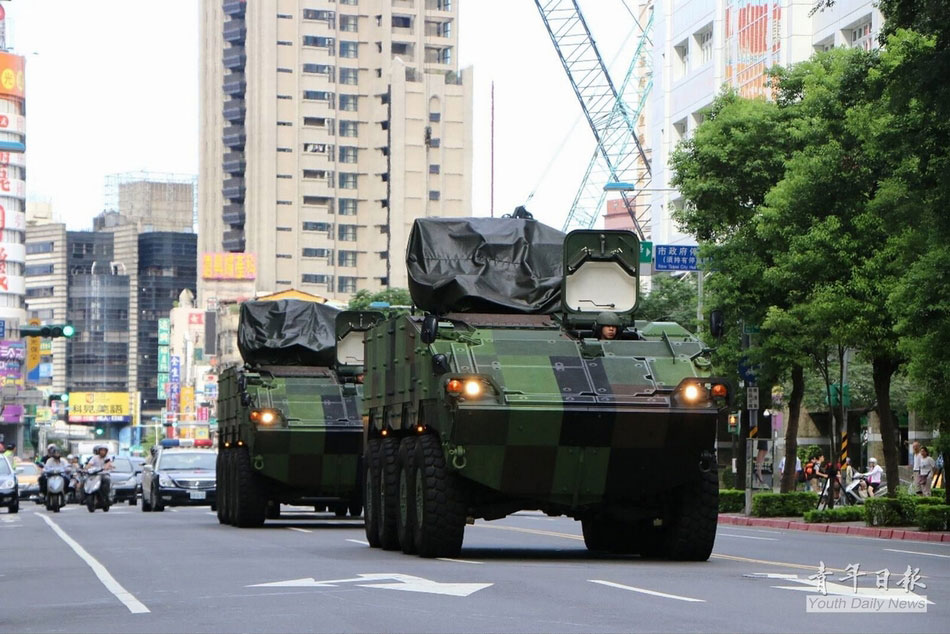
column 164, row 358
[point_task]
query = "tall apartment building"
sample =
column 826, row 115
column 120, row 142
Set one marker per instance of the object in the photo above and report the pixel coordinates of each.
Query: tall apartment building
column 152, row 201
column 702, row 45
column 326, row 129
column 12, row 191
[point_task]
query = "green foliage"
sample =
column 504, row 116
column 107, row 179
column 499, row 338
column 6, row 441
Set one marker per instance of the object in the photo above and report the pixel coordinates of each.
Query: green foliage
column 670, row 299
column 808, row 452
column 837, row 514
column 783, row 504
column 902, row 510
column 934, row 517
column 731, row 500
column 393, row 296
column 728, row 479
column 938, row 492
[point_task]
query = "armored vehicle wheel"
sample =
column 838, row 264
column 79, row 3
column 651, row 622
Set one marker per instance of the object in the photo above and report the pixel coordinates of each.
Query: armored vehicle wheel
column 692, row 531
column 219, row 478
column 388, row 493
column 232, row 487
column 273, row 510
column 440, row 504
column 405, row 517
column 251, row 501
column 371, row 491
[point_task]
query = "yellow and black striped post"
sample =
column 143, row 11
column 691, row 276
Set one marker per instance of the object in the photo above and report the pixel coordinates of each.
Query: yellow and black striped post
column 844, row 446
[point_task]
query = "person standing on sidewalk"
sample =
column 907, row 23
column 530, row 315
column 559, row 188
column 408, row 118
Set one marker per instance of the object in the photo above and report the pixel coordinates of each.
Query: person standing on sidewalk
column 926, row 471
column 915, row 460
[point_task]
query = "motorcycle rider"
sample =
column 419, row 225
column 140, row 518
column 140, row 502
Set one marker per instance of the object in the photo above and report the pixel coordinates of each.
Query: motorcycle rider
column 41, row 463
column 75, row 475
column 100, row 459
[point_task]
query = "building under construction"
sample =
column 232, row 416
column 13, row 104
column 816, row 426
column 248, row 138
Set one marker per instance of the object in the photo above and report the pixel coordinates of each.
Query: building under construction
column 152, row 201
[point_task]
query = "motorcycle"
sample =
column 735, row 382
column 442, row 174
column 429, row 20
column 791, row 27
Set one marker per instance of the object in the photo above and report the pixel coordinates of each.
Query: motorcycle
column 55, row 488
column 97, row 490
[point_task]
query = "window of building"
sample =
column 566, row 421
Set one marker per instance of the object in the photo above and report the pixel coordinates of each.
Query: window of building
column 438, row 29
column 347, row 206
column 39, row 247
column 861, row 36
column 434, row 195
column 347, row 180
column 285, row 70
column 402, row 21
column 349, row 128
column 679, row 130
column 284, row 176
column 284, row 16
column 434, row 169
column 284, row 43
column 285, row 256
column 318, row 122
column 348, row 154
column 316, row 278
column 284, row 123
column 825, row 45
column 349, row 49
column 319, row 95
column 284, row 149
column 435, row 117
column 704, row 39
column 44, row 291
column 352, row 3
column 349, row 23
column 32, row 270
column 317, row 174
column 321, row 15
column 346, row 258
column 435, row 142
column 284, row 97
column 680, row 59
column 320, row 41
column 402, row 48
column 316, row 200
column 346, row 233
column 316, row 253
column 317, row 226
column 284, row 229
column 346, row 284
column 383, row 255
column 349, row 76
column 439, row 5
column 284, row 202
column 319, row 69
column 349, row 103
column 315, row 148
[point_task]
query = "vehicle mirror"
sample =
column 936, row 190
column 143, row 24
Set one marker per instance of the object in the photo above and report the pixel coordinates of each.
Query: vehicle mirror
column 440, row 364
column 717, row 325
column 430, row 328
column 242, row 383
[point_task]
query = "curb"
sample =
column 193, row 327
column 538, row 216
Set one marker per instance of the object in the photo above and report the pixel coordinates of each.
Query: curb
column 859, row 531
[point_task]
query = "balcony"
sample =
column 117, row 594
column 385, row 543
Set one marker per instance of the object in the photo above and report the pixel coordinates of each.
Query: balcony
column 233, row 188
column 233, row 163
column 235, row 58
column 233, row 215
column 235, row 85
column 234, row 111
column 234, row 8
column 235, row 31
column 233, row 240
column 234, row 136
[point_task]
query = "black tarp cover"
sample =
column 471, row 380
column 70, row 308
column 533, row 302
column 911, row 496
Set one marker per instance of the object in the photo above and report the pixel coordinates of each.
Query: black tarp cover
column 485, row 265
column 287, row 332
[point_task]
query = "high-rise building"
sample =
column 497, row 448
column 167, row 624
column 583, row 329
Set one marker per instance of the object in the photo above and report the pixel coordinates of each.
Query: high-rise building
column 12, row 191
column 699, row 46
column 151, row 201
column 326, row 129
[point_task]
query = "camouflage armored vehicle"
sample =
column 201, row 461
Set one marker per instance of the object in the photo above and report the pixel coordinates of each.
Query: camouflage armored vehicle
column 289, row 425
column 502, row 397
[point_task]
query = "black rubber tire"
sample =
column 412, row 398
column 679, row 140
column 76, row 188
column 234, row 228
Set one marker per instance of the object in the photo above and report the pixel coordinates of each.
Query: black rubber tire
column 440, row 509
column 14, row 505
column 388, row 493
column 133, row 501
column 157, row 506
column 56, row 510
column 221, row 486
column 609, row 536
column 273, row 510
column 232, row 487
column 251, row 498
column 406, row 511
column 371, row 491
column 105, row 509
column 692, row 531
column 146, row 504
column 91, row 504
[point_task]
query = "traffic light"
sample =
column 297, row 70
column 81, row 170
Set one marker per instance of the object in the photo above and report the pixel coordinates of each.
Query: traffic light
column 64, row 398
column 48, row 331
column 733, row 423
column 100, row 430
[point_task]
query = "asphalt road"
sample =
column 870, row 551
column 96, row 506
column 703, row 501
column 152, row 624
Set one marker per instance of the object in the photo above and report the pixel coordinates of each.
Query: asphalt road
column 128, row 571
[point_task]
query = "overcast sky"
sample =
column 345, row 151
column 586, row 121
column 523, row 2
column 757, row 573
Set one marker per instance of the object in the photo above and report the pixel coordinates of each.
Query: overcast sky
column 112, row 86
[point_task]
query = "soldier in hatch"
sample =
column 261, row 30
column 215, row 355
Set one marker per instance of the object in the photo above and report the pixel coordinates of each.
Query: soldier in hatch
column 607, row 326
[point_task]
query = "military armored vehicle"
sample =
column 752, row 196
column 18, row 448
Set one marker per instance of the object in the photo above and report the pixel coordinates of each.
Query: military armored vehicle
column 289, row 424
column 502, row 397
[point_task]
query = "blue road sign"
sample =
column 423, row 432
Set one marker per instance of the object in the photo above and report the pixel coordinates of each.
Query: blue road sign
column 672, row 257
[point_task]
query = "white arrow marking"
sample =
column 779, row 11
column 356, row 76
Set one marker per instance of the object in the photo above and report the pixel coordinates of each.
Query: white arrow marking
column 838, row 589
column 405, row 583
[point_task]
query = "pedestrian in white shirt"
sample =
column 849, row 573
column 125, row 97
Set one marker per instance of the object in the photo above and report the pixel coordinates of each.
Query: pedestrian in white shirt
column 926, row 471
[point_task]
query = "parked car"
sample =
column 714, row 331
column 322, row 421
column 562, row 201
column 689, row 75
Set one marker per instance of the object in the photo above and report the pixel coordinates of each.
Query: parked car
column 124, row 482
column 28, row 477
column 179, row 477
column 138, row 464
column 9, row 494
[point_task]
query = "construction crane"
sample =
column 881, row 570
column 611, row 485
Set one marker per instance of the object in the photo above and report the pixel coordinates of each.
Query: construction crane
column 619, row 156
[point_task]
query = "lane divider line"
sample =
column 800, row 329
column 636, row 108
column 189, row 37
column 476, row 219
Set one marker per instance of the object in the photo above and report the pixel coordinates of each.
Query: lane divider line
column 532, row 531
column 127, row 598
column 358, row 541
column 299, row 530
column 653, row 593
column 764, row 539
column 914, row 552
column 460, row 561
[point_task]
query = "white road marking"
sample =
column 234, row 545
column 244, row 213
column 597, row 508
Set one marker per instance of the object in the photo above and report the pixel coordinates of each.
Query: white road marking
column 299, row 530
column 211, row 512
column 173, row 510
column 127, row 598
column 755, row 530
column 914, row 552
column 358, row 541
column 405, row 583
column 460, row 561
column 765, row 539
column 645, row 591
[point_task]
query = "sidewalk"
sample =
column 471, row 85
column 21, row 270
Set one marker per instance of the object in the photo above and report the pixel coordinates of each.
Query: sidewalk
column 839, row 528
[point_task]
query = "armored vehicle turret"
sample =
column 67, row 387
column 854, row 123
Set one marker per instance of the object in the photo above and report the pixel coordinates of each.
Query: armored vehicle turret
column 506, row 395
column 289, row 425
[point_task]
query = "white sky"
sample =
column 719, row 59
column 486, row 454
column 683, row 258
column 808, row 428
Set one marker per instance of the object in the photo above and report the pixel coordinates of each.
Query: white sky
column 112, row 86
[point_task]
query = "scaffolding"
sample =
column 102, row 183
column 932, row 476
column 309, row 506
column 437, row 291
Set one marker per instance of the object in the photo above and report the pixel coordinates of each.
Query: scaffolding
column 157, row 201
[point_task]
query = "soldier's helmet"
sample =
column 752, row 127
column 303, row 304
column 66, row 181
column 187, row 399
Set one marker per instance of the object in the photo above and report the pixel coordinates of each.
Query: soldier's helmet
column 608, row 318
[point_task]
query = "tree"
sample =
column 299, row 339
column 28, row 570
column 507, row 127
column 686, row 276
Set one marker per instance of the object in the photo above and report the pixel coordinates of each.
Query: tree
column 670, row 299
column 392, row 296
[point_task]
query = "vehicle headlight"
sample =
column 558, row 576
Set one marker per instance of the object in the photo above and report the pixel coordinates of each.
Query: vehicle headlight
column 165, row 481
column 702, row 392
column 267, row 417
column 469, row 388
column 9, row 483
